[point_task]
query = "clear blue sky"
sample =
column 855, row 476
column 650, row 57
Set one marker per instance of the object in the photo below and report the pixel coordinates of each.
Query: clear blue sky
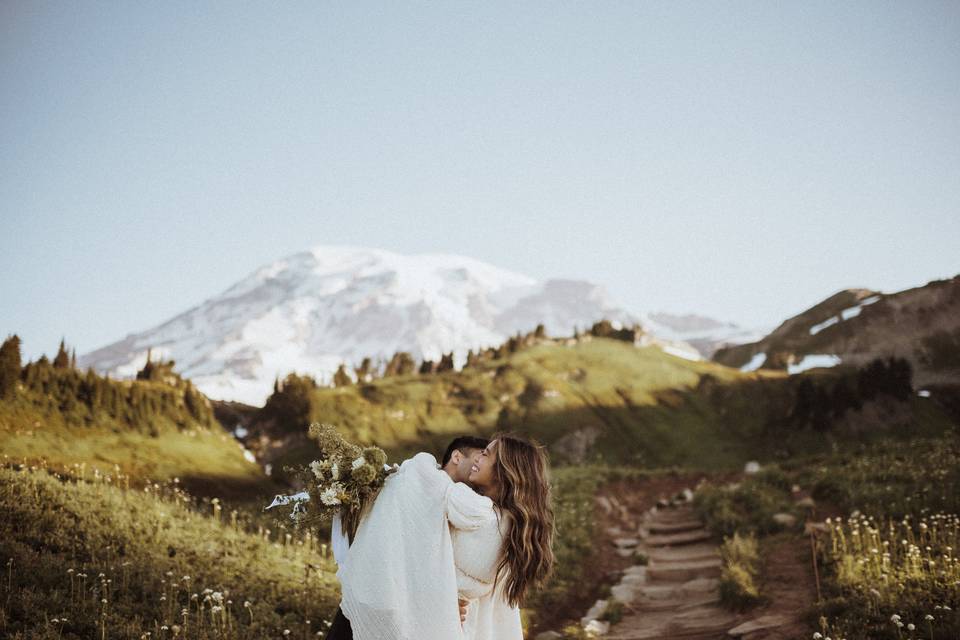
column 742, row 160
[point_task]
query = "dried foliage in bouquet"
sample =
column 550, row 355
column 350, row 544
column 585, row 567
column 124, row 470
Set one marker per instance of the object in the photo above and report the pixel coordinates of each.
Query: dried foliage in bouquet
column 342, row 481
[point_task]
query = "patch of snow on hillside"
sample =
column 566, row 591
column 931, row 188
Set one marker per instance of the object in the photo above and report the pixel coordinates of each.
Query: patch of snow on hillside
column 852, row 312
column 755, row 362
column 829, row 322
column 686, row 354
column 813, row 361
column 846, row 314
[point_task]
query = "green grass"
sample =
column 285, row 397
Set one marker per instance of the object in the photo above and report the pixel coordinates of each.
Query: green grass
column 741, row 567
column 746, row 507
column 158, row 439
column 70, row 545
column 895, row 554
column 635, row 406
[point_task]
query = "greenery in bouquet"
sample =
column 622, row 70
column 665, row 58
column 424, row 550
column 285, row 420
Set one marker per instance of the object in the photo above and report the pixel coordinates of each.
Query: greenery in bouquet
column 341, row 481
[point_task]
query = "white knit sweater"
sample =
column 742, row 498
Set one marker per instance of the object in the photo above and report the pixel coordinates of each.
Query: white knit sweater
column 425, row 540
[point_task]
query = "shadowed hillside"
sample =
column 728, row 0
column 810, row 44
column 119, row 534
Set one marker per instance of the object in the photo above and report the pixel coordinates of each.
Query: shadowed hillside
column 606, row 400
column 921, row 325
column 156, row 427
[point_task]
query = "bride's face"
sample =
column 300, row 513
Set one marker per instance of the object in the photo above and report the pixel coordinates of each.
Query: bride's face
column 481, row 473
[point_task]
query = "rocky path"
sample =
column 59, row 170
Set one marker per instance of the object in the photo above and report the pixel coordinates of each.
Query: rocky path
column 675, row 595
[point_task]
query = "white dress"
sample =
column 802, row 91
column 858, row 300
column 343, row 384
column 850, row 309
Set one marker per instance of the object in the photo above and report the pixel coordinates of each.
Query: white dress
column 425, row 540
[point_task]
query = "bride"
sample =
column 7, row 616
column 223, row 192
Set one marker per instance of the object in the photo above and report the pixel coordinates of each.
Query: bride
column 428, row 541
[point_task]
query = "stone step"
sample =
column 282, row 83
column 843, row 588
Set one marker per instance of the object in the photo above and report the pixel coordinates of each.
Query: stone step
column 689, row 602
column 685, row 553
column 677, row 539
column 677, row 591
column 683, row 571
column 705, row 622
column 674, row 527
column 676, row 514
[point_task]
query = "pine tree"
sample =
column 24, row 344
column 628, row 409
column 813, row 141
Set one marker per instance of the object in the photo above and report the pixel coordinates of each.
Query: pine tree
column 62, row 361
column 9, row 365
column 341, row 378
column 446, row 362
column 364, row 370
column 73, row 358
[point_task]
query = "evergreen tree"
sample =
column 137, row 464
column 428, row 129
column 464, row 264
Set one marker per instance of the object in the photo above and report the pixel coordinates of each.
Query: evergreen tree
column 472, row 359
column 364, row 371
column 9, row 365
column 341, row 378
column 446, row 362
column 62, row 361
column 73, row 358
column 400, row 364
column 540, row 332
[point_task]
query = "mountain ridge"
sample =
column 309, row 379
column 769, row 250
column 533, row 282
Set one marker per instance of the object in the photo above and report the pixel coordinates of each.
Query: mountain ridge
column 331, row 305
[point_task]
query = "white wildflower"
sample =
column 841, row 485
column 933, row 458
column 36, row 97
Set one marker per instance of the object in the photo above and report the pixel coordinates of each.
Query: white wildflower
column 334, row 471
column 331, row 495
column 359, row 462
column 317, row 469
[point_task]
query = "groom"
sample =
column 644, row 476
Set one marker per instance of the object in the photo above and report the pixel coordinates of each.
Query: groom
column 456, row 461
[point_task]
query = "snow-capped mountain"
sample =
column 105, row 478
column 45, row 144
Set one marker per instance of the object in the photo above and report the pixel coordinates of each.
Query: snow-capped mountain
column 704, row 334
column 314, row 310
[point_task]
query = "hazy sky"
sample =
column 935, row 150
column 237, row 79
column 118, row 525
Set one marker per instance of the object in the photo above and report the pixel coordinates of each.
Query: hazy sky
column 741, row 160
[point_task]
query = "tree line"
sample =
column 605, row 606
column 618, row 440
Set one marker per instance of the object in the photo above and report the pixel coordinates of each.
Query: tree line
column 157, row 396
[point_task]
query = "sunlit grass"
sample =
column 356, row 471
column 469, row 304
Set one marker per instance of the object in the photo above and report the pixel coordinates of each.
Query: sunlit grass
column 92, row 558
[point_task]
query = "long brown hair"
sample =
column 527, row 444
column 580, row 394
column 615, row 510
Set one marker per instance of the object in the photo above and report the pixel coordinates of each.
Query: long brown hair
column 522, row 490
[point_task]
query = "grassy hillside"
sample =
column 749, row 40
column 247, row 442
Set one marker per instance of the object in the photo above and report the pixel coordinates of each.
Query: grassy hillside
column 893, row 549
column 153, row 429
column 97, row 560
column 593, row 400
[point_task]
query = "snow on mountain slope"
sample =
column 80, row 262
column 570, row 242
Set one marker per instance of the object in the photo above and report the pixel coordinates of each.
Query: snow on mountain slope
column 703, row 334
column 312, row 311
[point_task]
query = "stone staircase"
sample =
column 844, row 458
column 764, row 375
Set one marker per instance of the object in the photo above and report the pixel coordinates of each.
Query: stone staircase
column 675, row 595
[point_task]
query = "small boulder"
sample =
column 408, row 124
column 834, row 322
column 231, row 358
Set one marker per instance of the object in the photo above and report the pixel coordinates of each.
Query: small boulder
column 626, row 542
column 595, row 612
column 604, row 504
column 751, row 467
column 549, row 635
column 622, row 593
column 785, row 519
column 806, row 503
column 596, row 628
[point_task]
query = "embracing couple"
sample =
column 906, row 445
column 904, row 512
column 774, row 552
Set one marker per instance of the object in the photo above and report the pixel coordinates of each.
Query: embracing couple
column 449, row 551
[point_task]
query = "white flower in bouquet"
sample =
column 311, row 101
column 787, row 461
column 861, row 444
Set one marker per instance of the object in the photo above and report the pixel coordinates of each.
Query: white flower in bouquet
column 331, row 495
column 342, row 481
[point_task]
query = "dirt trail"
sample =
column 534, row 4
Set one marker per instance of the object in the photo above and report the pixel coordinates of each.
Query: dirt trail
column 675, row 595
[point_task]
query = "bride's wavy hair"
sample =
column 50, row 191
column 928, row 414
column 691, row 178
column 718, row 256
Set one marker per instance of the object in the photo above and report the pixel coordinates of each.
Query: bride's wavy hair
column 522, row 489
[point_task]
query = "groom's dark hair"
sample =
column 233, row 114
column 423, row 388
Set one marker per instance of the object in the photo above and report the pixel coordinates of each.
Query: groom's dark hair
column 461, row 444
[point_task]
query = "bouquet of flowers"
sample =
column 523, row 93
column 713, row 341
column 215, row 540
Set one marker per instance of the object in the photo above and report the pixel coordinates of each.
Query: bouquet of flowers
column 341, row 482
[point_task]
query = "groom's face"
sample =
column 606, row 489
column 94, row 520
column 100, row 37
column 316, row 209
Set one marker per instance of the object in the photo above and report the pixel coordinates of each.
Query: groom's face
column 460, row 463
